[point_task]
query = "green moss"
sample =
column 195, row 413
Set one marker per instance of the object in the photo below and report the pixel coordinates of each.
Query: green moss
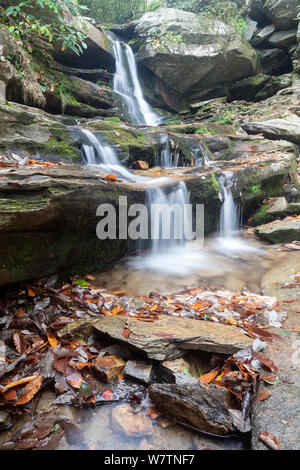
column 215, row 183
column 255, row 188
column 113, row 119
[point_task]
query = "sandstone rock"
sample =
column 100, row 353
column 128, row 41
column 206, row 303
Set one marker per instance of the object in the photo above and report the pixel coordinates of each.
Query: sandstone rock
column 276, row 209
column 280, row 231
column 168, row 370
column 140, row 370
column 140, row 165
column 187, row 41
column 168, row 337
column 277, row 129
column 275, row 62
column 199, row 405
column 283, row 39
column 5, row 420
column 251, row 28
column 124, row 420
column 61, row 197
column 273, row 86
column 248, row 88
column 107, row 367
column 92, row 94
column 282, row 13
column 263, row 35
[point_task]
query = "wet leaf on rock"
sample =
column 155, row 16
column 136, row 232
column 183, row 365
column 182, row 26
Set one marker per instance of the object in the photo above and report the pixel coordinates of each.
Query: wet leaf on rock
column 269, row 440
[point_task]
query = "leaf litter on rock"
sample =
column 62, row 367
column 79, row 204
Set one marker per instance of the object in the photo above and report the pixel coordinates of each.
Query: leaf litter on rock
column 46, row 308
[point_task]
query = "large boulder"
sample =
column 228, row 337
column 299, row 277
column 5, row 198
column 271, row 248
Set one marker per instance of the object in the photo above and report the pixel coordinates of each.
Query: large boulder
column 171, row 42
column 282, row 13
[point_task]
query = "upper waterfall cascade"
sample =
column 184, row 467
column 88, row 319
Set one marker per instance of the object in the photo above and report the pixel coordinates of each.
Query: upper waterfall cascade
column 128, row 87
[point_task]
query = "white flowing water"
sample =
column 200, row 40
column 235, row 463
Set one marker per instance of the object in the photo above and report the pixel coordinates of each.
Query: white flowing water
column 229, row 242
column 99, row 153
column 229, row 223
column 201, row 157
column 168, row 158
column 128, row 87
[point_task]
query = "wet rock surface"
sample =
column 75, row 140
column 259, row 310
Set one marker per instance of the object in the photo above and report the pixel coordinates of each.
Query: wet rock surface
column 280, row 231
column 204, row 407
column 132, row 424
column 282, row 129
column 141, row 371
column 279, row 414
column 168, row 337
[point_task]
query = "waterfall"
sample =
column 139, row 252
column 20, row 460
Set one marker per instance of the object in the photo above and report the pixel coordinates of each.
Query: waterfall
column 229, row 223
column 128, row 87
column 201, row 156
column 177, row 223
column 168, row 159
column 98, row 152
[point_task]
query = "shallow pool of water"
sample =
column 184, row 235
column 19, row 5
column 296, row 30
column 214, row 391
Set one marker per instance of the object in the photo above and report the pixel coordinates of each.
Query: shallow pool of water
column 232, row 264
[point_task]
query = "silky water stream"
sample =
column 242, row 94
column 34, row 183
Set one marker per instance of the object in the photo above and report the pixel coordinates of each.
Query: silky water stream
column 229, row 260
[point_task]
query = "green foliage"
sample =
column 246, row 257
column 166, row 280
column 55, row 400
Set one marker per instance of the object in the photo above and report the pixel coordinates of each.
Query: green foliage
column 45, row 18
column 115, row 11
column 225, row 11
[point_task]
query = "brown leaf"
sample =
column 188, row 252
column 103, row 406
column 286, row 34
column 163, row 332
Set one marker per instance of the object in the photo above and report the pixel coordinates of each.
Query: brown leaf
column 73, row 377
column 30, row 390
column 17, row 383
column 263, row 395
column 269, row 440
column 20, row 342
column 10, row 395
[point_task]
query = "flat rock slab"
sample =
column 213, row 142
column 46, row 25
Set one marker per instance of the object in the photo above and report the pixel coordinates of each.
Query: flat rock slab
column 285, row 129
column 168, row 337
column 202, row 406
column 280, row 231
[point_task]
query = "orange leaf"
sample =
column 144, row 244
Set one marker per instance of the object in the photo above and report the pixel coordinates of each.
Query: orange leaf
column 30, row 390
column 209, row 377
column 111, row 178
column 52, row 340
column 31, row 293
column 10, row 395
column 17, row 383
column 117, row 310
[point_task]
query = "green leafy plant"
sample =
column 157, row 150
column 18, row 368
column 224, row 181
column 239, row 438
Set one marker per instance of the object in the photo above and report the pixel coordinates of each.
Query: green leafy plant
column 45, row 18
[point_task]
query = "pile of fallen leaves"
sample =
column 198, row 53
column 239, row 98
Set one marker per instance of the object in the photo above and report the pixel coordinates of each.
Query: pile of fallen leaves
column 33, row 355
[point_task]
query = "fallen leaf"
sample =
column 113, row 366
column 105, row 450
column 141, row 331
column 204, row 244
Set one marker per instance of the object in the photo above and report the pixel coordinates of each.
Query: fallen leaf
column 108, row 395
column 52, row 340
column 30, row 292
column 20, row 342
column 17, row 383
column 29, row 391
column 269, row 440
column 209, row 377
column 126, row 333
column 263, row 395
